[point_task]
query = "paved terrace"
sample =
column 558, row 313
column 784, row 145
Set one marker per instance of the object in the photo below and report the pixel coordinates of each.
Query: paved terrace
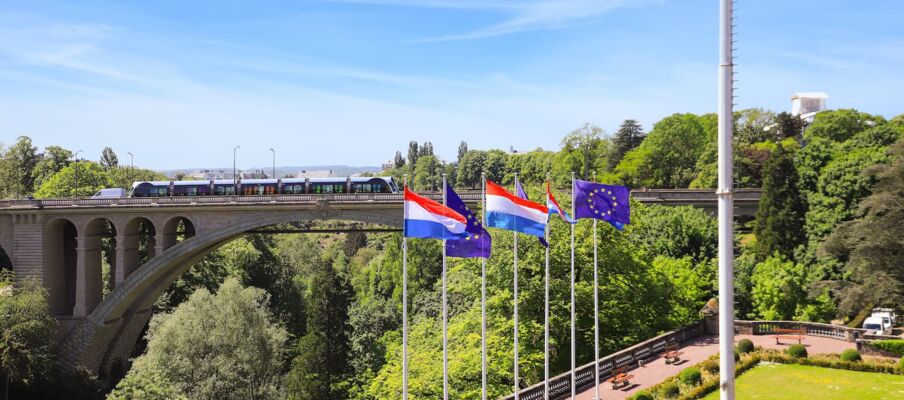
column 700, row 349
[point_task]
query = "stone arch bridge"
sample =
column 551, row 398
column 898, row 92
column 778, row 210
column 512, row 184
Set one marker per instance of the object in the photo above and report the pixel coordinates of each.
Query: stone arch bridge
column 150, row 242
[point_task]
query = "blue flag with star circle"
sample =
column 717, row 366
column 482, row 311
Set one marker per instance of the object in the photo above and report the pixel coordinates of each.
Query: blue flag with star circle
column 609, row 203
column 478, row 241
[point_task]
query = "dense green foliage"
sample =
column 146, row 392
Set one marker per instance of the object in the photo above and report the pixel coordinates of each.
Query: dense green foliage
column 223, row 345
column 780, row 218
column 26, row 333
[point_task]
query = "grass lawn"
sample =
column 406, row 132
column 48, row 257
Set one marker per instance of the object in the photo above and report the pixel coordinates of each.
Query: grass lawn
column 781, row 381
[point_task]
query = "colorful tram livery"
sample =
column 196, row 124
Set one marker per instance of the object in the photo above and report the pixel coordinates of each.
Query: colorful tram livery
column 258, row 187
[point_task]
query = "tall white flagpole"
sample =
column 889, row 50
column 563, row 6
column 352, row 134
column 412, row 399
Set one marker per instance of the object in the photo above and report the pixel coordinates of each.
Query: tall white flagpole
column 726, row 242
column 596, row 316
column 515, row 296
column 546, row 313
column 445, row 314
column 483, row 299
column 404, row 307
column 573, row 337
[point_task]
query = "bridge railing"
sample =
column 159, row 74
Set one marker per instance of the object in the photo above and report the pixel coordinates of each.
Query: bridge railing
column 215, row 200
column 560, row 386
column 665, row 196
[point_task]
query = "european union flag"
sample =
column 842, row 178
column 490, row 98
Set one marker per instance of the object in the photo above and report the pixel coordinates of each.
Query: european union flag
column 606, row 202
column 478, row 241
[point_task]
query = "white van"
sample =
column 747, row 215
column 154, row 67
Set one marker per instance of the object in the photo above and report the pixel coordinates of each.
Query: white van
column 115, row 193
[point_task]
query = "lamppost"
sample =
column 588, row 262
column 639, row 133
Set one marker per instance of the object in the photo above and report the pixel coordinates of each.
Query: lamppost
column 274, row 163
column 131, row 166
column 76, row 172
column 234, row 177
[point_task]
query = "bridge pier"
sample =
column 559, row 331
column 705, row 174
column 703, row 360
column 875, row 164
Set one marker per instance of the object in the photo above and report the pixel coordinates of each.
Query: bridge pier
column 88, row 277
column 126, row 257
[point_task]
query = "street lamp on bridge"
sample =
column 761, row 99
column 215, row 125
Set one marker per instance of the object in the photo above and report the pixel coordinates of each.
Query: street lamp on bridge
column 76, row 172
column 131, row 166
column 274, row 163
column 234, row 176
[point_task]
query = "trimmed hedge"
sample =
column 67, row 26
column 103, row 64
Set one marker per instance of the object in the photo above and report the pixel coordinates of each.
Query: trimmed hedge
column 642, row 395
column 745, row 346
column 864, row 366
column 797, row 351
column 891, row 346
column 711, row 366
column 712, row 385
column 690, row 376
column 670, row 390
column 850, row 355
column 901, row 365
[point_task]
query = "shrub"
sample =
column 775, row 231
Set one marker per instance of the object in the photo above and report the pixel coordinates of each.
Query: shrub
column 710, row 366
column 901, row 365
column 690, row 376
column 850, row 355
column 797, row 351
column 892, row 346
column 642, row 395
column 670, row 390
column 745, row 346
column 737, row 356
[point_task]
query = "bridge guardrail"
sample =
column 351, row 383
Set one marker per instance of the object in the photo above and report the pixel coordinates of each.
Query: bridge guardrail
column 679, row 196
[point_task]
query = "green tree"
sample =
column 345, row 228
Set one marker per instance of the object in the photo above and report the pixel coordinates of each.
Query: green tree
column 428, row 173
column 588, row 145
column 675, row 232
column 413, row 153
column 399, row 161
column 788, row 126
column 216, row 346
column 89, row 177
column 322, row 364
column 870, row 246
column 780, row 217
column 470, row 166
column 17, row 168
column 629, row 135
column 148, row 385
column 27, row 332
column 839, row 125
column 54, row 159
column 689, row 286
column 778, row 288
column 108, row 159
column 462, row 150
column 667, row 158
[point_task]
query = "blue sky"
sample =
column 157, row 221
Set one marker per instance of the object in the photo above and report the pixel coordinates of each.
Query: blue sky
column 179, row 83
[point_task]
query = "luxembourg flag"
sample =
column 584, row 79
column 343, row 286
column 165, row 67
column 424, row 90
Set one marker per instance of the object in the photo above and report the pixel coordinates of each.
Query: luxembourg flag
column 425, row 218
column 554, row 208
column 507, row 211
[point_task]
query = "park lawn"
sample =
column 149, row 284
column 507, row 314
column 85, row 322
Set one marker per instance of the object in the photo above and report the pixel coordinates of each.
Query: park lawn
column 791, row 381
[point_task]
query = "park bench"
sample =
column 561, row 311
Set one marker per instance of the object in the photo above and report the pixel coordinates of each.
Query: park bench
column 789, row 334
column 620, row 379
column 672, row 356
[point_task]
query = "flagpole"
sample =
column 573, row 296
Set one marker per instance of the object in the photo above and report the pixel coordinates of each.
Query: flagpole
column 445, row 315
column 573, row 387
column 596, row 316
column 725, row 210
column 483, row 298
column 515, row 269
column 405, row 306
column 546, row 313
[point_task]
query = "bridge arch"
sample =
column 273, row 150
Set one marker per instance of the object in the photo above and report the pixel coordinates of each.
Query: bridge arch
column 109, row 333
column 59, row 274
column 5, row 263
column 177, row 229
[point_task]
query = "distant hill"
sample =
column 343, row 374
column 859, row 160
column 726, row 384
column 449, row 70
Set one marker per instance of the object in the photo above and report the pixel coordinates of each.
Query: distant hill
column 281, row 171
